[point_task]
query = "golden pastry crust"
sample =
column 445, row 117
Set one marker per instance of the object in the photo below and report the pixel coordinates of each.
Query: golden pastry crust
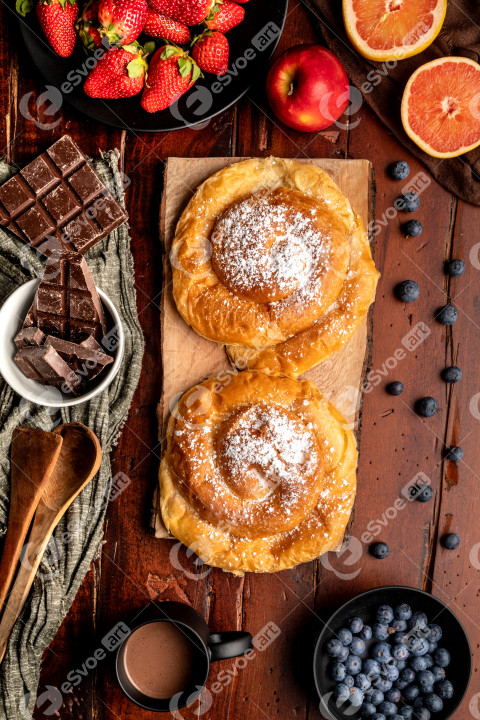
column 261, row 251
column 258, row 476
column 310, row 347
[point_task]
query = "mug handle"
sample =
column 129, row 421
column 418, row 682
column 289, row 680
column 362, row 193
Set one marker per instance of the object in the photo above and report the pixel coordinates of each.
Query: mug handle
column 229, row 644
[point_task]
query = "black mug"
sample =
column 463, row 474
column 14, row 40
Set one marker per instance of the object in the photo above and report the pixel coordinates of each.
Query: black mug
column 206, row 646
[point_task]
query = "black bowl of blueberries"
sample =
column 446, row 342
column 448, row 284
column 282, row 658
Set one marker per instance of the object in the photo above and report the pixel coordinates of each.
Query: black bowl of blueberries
column 392, row 653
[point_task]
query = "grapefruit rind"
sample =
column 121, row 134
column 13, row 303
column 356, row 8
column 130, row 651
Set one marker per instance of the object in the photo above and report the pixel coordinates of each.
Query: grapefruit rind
column 400, row 52
column 405, row 110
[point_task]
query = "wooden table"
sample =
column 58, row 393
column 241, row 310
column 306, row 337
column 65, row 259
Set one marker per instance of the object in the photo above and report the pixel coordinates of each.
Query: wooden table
column 395, row 444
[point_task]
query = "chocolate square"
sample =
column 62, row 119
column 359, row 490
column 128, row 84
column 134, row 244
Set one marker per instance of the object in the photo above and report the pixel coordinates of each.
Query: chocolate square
column 86, row 183
column 82, row 233
column 107, row 212
column 39, row 176
column 35, row 224
column 61, row 204
column 66, row 155
column 14, row 196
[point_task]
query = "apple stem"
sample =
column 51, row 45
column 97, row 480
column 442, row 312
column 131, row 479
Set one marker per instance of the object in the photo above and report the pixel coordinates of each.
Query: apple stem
column 290, row 89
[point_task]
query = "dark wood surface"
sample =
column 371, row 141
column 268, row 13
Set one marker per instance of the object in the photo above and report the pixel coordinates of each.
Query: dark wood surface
column 395, row 444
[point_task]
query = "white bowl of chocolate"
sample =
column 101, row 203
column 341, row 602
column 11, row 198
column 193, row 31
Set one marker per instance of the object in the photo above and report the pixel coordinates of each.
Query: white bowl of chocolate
column 61, row 339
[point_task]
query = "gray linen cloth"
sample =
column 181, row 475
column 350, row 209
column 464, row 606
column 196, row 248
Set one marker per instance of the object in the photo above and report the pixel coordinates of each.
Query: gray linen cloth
column 79, row 534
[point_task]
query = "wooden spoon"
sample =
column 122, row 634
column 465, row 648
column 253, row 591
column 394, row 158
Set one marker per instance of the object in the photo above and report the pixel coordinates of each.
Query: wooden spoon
column 34, row 454
column 78, row 462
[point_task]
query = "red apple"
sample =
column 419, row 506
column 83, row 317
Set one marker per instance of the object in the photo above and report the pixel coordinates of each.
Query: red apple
column 307, row 88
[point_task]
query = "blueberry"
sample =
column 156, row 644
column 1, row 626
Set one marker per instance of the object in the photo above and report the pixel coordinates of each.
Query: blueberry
column 402, row 638
column 379, row 550
column 400, row 652
column 452, row 374
column 382, row 684
column 333, row 647
column 426, row 407
column 455, row 268
column 454, row 454
column 349, row 681
column 450, row 541
column 379, row 716
column 371, row 667
column 445, row 689
column 419, row 620
column 428, row 658
column 407, row 291
column 441, row 657
column 353, row 665
column 345, row 636
column 356, row 697
column 406, row 712
column 422, row 493
column 357, row 646
column 393, row 695
column 412, row 228
column 385, row 614
column 411, row 693
column 400, row 684
column 399, row 170
column 433, row 703
column 338, row 672
column 398, row 625
column 381, row 651
column 397, row 716
column 408, row 675
column 380, row 631
column 425, row 679
column 403, row 612
column 342, row 692
column 419, row 646
column 387, row 708
column 401, row 664
column 391, row 672
column 434, row 633
column 421, row 714
column 377, row 696
column 368, row 709
column 365, row 633
column 439, row 673
column 447, row 315
column 394, row 388
column 408, row 202
column 362, row 682
column 355, row 624
column 344, row 653
column 418, row 663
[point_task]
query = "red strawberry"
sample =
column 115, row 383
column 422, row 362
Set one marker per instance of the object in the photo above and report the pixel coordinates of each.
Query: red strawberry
column 159, row 25
column 122, row 20
column 190, row 12
column 225, row 16
column 57, row 19
column 87, row 26
column 210, row 52
column 120, row 73
column 171, row 73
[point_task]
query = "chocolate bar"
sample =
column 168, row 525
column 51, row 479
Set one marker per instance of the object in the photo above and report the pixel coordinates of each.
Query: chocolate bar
column 86, row 362
column 67, row 304
column 45, row 365
column 29, row 336
column 59, row 202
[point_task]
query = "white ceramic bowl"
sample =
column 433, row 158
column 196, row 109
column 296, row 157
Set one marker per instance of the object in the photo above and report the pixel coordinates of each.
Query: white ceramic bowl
column 12, row 315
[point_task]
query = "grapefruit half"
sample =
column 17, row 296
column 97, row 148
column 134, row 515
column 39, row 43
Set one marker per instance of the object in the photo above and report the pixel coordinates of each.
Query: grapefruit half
column 441, row 107
column 392, row 29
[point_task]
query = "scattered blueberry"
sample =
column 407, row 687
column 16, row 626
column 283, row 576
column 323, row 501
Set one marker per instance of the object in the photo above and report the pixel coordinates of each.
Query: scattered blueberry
column 333, row 647
column 455, row 268
column 426, row 407
column 342, row 692
column 377, row 696
column 399, row 170
column 384, row 614
column 406, row 711
column 398, row 625
column 401, row 664
column 381, row 651
column 434, row 633
column 368, row 709
column 421, row 713
column 365, row 633
column 338, row 672
column 447, row 315
column 353, row 665
column 355, row 624
column 357, row 646
column 400, row 652
column 379, row 716
column 419, row 646
column 425, row 679
column 401, row 638
column 403, row 612
column 423, row 493
column 411, row 693
column 344, row 653
column 356, row 697
column 393, row 695
column 380, row 631
column 439, row 673
column 382, row 684
column 407, row 291
column 418, row 663
column 433, row 703
column 450, row 541
column 387, row 708
column 408, row 202
column 408, row 675
column 445, row 689
column 441, row 657
column 349, row 681
column 452, row 374
column 418, row 620
column 345, row 636
column 371, row 667
column 391, row 672
column 428, row 657
column 454, row 454
column 412, row 228
column 379, row 550
column 362, row 682
column 395, row 388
